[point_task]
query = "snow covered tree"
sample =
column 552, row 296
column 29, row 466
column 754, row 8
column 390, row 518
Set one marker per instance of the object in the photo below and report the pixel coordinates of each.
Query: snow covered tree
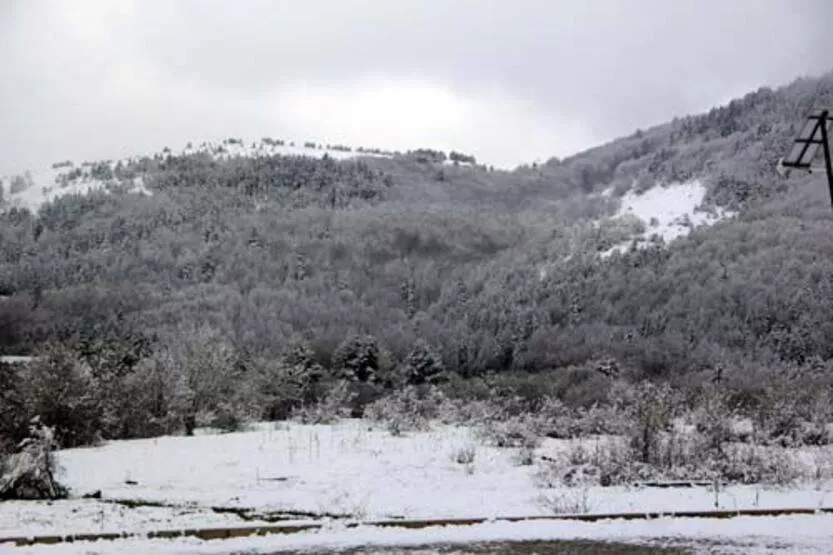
column 210, row 387
column 62, row 393
column 360, row 358
column 30, row 472
column 291, row 381
column 423, row 364
column 14, row 413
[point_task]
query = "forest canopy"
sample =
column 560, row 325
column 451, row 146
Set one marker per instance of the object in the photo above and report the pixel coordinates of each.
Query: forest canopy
column 392, row 269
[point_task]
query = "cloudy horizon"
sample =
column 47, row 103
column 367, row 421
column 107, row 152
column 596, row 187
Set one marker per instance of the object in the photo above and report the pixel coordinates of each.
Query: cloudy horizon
column 509, row 82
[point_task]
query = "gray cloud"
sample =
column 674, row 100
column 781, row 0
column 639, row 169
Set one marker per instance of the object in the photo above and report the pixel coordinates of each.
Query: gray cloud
column 509, row 81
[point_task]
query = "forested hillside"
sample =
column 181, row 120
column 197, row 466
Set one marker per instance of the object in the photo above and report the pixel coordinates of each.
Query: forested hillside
column 259, row 281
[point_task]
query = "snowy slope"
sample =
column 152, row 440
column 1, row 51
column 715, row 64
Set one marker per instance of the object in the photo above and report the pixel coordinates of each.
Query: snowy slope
column 46, row 184
column 668, row 212
column 665, row 212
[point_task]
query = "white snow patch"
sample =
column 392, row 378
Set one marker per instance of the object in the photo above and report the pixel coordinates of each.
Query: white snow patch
column 138, row 187
column 44, row 186
column 668, row 211
column 49, row 184
column 13, row 359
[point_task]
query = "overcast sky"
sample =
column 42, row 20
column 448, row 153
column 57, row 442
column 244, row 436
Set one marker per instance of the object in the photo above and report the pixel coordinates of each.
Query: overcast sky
column 510, row 81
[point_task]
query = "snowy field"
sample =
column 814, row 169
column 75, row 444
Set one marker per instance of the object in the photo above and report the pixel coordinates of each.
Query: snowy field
column 358, row 472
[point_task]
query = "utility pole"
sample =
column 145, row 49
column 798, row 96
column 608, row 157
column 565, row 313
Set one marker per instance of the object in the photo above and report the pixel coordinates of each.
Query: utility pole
column 813, row 135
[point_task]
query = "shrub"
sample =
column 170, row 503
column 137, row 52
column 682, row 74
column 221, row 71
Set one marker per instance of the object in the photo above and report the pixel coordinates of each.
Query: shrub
column 335, row 404
column 561, row 421
column 558, row 420
column 713, row 419
column 650, row 409
column 608, row 462
column 409, row 409
column 792, row 418
column 600, row 419
column 30, row 473
column 749, row 464
column 478, row 413
column 225, row 416
column 613, row 461
column 575, row 500
column 516, row 431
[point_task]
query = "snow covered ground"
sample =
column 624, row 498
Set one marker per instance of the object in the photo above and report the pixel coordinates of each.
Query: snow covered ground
column 356, row 470
column 668, row 211
column 48, row 184
column 42, row 186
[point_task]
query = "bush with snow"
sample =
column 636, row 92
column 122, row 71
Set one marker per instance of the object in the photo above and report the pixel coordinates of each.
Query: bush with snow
column 422, row 365
column 412, row 408
column 335, row 404
column 522, row 431
column 30, row 472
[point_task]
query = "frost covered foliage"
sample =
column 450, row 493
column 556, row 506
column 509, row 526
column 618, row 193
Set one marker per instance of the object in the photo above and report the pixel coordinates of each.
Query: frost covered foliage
column 423, row 365
column 613, row 462
column 14, row 413
column 292, row 381
column 650, row 410
column 667, row 436
column 176, row 309
column 62, row 393
column 29, row 473
column 335, row 404
column 210, row 389
column 412, row 408
column 517, row 431
column 360, row 358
